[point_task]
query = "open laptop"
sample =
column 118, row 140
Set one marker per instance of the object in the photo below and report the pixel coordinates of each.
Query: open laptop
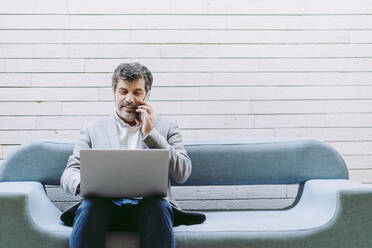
column 124, row 173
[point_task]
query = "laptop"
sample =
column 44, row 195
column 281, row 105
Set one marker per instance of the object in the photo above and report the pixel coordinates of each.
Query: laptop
column 124, row 173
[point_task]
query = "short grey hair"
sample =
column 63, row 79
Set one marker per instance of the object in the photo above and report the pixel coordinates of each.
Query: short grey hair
column 131, row 72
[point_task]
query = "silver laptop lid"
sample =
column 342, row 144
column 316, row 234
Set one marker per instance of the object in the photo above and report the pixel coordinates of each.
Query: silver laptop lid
column 124, row 173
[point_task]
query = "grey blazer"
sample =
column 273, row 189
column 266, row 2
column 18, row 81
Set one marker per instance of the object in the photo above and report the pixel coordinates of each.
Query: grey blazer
column 102, row 133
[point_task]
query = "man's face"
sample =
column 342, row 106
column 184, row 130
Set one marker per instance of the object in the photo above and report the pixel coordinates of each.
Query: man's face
column 127, row 96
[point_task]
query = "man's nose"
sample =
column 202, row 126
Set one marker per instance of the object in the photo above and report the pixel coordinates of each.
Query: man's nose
column 130, row 98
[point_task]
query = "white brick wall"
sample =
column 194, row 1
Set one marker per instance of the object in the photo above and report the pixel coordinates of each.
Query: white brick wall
column 252, row 69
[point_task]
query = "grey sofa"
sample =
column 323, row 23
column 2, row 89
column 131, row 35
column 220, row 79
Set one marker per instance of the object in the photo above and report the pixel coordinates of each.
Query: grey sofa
column 329, row 211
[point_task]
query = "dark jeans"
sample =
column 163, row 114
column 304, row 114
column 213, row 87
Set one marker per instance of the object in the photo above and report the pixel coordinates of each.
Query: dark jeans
column 152, row 217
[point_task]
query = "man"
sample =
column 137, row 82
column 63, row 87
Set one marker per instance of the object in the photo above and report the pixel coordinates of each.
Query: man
column 133, row 125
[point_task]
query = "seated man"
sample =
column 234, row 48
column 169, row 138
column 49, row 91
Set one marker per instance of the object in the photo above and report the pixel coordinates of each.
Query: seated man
column 132, row 125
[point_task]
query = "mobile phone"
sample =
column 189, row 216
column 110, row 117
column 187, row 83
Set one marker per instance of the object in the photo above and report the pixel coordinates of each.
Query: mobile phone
column 138, row 114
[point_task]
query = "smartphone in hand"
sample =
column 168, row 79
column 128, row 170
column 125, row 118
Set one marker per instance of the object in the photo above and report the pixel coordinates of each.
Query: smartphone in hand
column 138, row 114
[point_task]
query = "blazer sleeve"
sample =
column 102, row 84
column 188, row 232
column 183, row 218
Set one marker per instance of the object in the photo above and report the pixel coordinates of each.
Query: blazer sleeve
column 179, row 162
column 70, row 179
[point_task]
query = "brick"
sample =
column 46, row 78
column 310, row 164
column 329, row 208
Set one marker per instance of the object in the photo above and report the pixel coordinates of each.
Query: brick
column 17, row 122
column 364, row 92
column 20, row 137
column 192, row 6
column 15, row 79
column 297, row 22
column 32, row 36
column 2, row 52
column 360, row 36
column 210, row 107
column 53, row 94
column 34, row 7
column 63, row 122
column 98, row 36
column 3, row 65
column 45, row 65
column 353, row 148
column 228, row 133
column 33, row 21
column 295, row 120
column 349, row 120
column 275, row 93
column 311, row 106
column 87, row 108
column 363, row 176
column 30, row 108
column 71, row 79
column 36, row 51
column 186, row 22
column 327, row 134
column 358, row 161
column 107, row 21
column 118, row 7
column 215, row 121
column 278, row 36
column 182, row 79
column 113, row 51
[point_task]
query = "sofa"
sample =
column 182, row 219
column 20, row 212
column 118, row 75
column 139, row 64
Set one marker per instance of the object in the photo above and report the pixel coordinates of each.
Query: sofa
column 329, row 211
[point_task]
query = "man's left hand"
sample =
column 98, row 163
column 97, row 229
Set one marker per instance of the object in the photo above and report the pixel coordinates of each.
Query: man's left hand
column 147, row 117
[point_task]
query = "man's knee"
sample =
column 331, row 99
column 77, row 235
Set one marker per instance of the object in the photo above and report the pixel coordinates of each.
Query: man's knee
column 155, row 203
column 91, row 207
column 156, row 206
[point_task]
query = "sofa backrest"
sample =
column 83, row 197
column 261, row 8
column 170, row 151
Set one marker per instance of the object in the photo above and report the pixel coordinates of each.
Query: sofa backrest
column 214, row 163
column 273, row 161
column 39, row 160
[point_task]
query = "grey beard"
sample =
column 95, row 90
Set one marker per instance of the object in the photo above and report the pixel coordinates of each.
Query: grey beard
column 127, row 116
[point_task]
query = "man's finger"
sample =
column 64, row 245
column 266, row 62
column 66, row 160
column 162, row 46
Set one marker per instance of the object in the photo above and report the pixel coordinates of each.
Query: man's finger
column 146, row 108
column 141, row 110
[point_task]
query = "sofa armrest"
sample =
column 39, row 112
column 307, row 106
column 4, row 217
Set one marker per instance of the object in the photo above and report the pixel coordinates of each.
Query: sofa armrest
column 27, row 215
column 333, row 201
column 327, row 191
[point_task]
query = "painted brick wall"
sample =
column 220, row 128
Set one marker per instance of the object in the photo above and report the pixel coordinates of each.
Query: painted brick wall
column 248, row 69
